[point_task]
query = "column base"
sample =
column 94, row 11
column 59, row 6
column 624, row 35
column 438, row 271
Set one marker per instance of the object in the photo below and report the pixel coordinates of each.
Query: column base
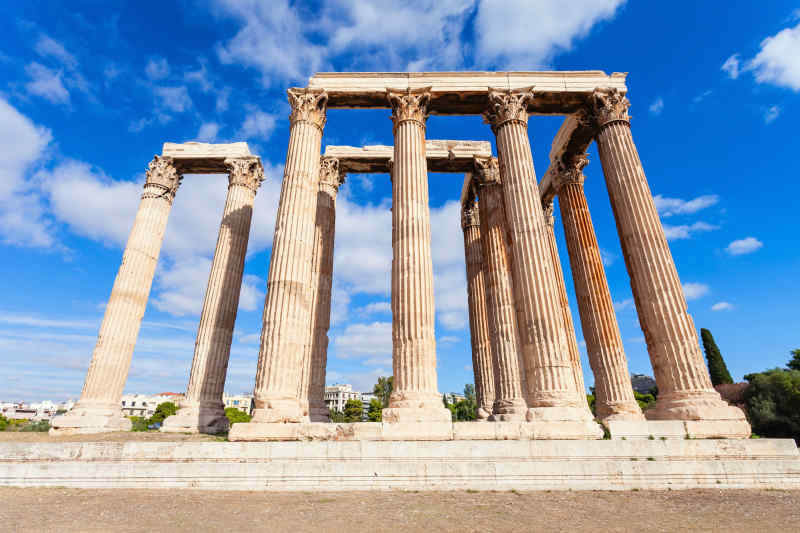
column 619, row 411
column 90, row 418
column 559, row 413
column 700, row 405
column 279, row 410
column 514, row 410
column 319, row 414
column 208, row 417
column 678, row 429
column 483, row 413
column 416, row 407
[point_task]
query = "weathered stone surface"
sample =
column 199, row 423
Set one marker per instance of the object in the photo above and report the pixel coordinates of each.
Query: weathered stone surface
column 204, row 158
column 407, row 465
column 99, row 408
column 415, row 396
column 684, row 386
column 442, row 156
column 202, row 409
column 676, row 429
column 507, row 356
column 613, row 392
column 483, row 368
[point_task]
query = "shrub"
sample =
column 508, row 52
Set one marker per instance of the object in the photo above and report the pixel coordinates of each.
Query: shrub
column 773, row 403
column 235, row 415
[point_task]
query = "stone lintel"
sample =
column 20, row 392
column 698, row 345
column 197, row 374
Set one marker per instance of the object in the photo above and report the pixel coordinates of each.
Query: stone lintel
column 572, row 138
column 466, row 93
column 204, row 158
column 443, row 156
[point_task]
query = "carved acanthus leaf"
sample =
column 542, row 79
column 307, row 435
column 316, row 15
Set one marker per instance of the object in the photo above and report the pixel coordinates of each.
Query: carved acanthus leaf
column 245, row 171
column 330, row 174
column 308, row 105
column 470, row 215
column 487, row 171
column 609, row 105
column 162, row 174
column 547, row 212
column 508, row 105
column 570, row 171
column 409, row 104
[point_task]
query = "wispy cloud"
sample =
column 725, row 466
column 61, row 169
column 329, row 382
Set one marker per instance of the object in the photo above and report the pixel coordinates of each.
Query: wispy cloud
column 657, row 106
column 722, row 306
column 694, row 291
column 744, row 246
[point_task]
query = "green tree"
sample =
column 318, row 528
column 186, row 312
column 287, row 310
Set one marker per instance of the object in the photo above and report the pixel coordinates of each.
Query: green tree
column 138, row 423
column 353, row 410
column 444, row 401
column 337, row 416
column 375, row 410
column 590, row 399
column 645, row 401
column 3, row 423
column 773, row 403
column 716, row 364
column 163, row 410
column 235, row 415
column 383, row 389
column 794, row 362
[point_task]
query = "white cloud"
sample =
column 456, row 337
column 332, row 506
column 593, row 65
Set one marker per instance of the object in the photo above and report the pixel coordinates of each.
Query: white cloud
column 374, row 308
column 208, row 132
column 48, row 47
column 257, row 124
column 731, row 66
column 778, row 61
column 157, row 69
column 607, row 257
column 46, row 83
column 524, row 34
column 200, row 77
column 657, row 106
column 364, row 340
column 694, row 291
column 771, row 114
column 624, row 304
column 448, row 339
column 173, row 98
column 702, row 96
column 685, row 231
column 676, row 206
column 23, row 144
column 722, row 306
column 747, row 245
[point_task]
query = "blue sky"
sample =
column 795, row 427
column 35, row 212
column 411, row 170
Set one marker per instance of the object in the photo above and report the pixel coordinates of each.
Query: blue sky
column 90, row 90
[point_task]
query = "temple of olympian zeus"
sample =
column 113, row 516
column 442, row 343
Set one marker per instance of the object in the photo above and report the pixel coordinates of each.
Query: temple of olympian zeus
column 528, row 375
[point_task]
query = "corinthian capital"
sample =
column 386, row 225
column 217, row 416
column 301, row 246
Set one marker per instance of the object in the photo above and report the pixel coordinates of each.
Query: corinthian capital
column 570, row 171
column 487, row 171
column 246, row 172
column 409, row 104
column 547, row 213
column 330, row 175
column 609, row 105
column 469, row 215
column 308, row 105
column 507, row 105
column 161, row 173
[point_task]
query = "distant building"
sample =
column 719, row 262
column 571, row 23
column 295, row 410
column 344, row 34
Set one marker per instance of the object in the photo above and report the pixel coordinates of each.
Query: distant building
column 144, row 405
column 337, row 395
column 454, row 397
column 642, row 384
column 242, row 402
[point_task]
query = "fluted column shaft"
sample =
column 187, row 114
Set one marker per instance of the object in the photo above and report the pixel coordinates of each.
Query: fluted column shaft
column 312, row 387
column 119, row 330
column 684, row 386
column 558, row 279
column 287, row 307
column 415, row 396
column 614, row 397
column 478, row 320
column 509, row 369
column 203, row 409
column 549, row 375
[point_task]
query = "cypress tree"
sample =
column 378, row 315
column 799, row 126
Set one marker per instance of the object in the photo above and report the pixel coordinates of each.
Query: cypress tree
column 716, row 364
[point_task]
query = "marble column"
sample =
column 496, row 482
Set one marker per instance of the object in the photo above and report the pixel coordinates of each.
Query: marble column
column 287, row 309
column 202, row 409
column 508, row 364
column 614, row 398
column 558, row 280
column 315, row 358
column 99, row 409
column 415, row 397
column 551, row 393
column 684, row 386
column 478, row 320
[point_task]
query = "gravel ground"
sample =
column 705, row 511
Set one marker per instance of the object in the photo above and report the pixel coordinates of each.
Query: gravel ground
column 404, row 512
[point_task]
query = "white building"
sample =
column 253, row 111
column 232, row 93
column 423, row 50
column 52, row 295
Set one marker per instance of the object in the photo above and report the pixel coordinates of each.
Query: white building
column 337, row 395
column 242, row 402
column 144, row 405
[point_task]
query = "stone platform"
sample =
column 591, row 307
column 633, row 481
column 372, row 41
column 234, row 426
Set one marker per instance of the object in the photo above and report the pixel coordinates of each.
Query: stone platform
column 404, row 465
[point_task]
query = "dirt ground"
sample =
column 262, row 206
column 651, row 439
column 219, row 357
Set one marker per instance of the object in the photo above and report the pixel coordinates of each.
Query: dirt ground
column 403, row 512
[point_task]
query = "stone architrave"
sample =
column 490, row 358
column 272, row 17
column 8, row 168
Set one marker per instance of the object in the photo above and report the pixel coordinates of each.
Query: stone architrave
column 315, row 358
column 99, row 409
column 614, row 398
column 415, row 397
column 508, row 363
column 684, row 386
column 287, row 309
column 551, row 393
column 478, row 321
column 558, row 279
column 202, row 409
